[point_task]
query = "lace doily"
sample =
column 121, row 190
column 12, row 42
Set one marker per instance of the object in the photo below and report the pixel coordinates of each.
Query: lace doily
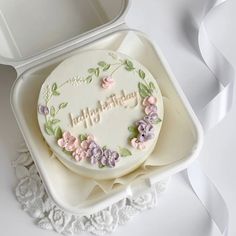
column 33, row 199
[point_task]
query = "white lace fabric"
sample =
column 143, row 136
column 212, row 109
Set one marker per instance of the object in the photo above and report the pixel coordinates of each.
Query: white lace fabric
column 33, row 198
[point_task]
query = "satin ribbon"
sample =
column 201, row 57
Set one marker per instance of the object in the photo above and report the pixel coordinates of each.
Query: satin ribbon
column 214, row 111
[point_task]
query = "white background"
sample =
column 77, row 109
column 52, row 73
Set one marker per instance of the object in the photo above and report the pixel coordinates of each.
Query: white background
column 171, row 25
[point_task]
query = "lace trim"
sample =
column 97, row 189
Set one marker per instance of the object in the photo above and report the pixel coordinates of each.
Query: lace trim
column 33, row 199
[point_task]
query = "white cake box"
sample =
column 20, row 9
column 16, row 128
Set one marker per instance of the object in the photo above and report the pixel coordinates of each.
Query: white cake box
column 36, row 36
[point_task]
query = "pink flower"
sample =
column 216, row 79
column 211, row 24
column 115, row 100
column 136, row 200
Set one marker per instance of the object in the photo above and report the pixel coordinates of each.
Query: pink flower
column 151, row 100
column 85, row 144
column 68, row 141
column 137, row 144
column 107, row 82
column 79, row 154
column 150, row 108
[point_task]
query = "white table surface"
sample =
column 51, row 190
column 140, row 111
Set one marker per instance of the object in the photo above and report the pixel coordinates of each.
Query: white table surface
column 170, row 24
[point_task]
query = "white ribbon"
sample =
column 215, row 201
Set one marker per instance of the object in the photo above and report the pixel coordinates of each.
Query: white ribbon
column 214, row 111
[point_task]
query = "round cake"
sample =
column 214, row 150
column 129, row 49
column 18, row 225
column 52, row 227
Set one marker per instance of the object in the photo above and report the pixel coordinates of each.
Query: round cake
column 101, row 113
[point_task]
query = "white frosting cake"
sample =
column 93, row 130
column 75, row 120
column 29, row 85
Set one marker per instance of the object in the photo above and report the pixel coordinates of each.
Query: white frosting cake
column 101, row 113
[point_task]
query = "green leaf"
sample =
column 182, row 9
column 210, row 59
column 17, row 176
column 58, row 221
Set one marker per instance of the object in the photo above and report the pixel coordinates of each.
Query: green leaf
column 143, row 90
column 54, row 87
column 141, row 74
column 129, row 68
column 152, row 86
column 63, row 105
column 55, row 121
column 55, row 93
column 91, row 70
column 58, row 132
column 133, row 129
column 82, row 137
column 89, row 79
column 129, row 63
column 106, row 67
column 97, row 72
column 49, row 130
column 157, row 121
column 101, row 165
column 102, row 63
column 67, row 152
column 124, row 152
column 52, row 111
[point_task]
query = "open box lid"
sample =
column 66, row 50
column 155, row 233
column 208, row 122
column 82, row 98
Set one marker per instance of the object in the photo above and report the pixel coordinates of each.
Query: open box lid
column 32, row 30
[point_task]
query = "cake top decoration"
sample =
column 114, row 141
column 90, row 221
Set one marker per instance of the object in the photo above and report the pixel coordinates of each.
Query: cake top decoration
column 100, row 111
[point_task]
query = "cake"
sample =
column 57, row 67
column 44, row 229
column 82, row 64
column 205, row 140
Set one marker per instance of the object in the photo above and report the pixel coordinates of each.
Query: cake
column 100, row 112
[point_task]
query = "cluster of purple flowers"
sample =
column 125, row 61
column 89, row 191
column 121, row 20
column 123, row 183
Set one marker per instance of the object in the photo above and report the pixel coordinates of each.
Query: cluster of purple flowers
column 102, row 156
column 146, row 128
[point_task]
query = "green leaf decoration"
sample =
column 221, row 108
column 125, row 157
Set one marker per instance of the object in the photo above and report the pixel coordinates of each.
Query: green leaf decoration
column 143, row 90
column 58, row 132
column 129, row 65
column 89, row 79
column 152, row 86
column 157, row 121
column 55, row 121
column 52, row 111
column 124, row 152
column 91, row 70
column 63, row 105
column 97, row 72
column 82, row 137
column 101, row 165
column 54, row 87
column 49, row 130
column 102, row 63
column 67, row 152
column 141, row 74
column 106, row 67
column 55, row 93
column 133, row 129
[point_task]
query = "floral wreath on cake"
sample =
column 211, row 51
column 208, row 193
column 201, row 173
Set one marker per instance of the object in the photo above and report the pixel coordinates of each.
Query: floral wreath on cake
column 85, row 146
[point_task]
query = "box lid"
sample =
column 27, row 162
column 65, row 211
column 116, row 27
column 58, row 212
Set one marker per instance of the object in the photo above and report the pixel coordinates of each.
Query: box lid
column 32, row 30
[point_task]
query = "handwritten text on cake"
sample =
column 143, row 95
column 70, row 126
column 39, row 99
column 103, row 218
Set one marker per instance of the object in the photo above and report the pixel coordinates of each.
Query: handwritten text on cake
column 92, row 116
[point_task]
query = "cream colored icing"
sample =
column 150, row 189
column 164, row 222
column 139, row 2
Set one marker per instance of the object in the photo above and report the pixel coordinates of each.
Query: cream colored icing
column 99, row 93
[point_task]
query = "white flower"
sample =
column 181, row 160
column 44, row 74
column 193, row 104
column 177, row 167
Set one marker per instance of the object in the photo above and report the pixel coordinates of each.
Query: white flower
column 104, row 221
column 29, row 189
column 145, row 201
column 59, row 219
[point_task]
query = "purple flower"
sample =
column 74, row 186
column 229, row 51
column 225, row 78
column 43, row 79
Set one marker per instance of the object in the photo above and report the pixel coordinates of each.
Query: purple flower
column 109, row 158
column 150, row 108
column 151, row 118
column 43, row 110
column 147, row 132
column 94, row 153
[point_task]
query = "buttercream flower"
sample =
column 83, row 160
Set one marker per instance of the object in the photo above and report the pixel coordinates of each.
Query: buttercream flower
column 150, row 108
column 94, row 153
column 151, row 100
column 137, row 144
column 68, row 141
column 85, row 144
column 146, row 132
column 43, row 110
column 107, row 82
column 109, row 158
column 151, row 118
column 79, row 154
